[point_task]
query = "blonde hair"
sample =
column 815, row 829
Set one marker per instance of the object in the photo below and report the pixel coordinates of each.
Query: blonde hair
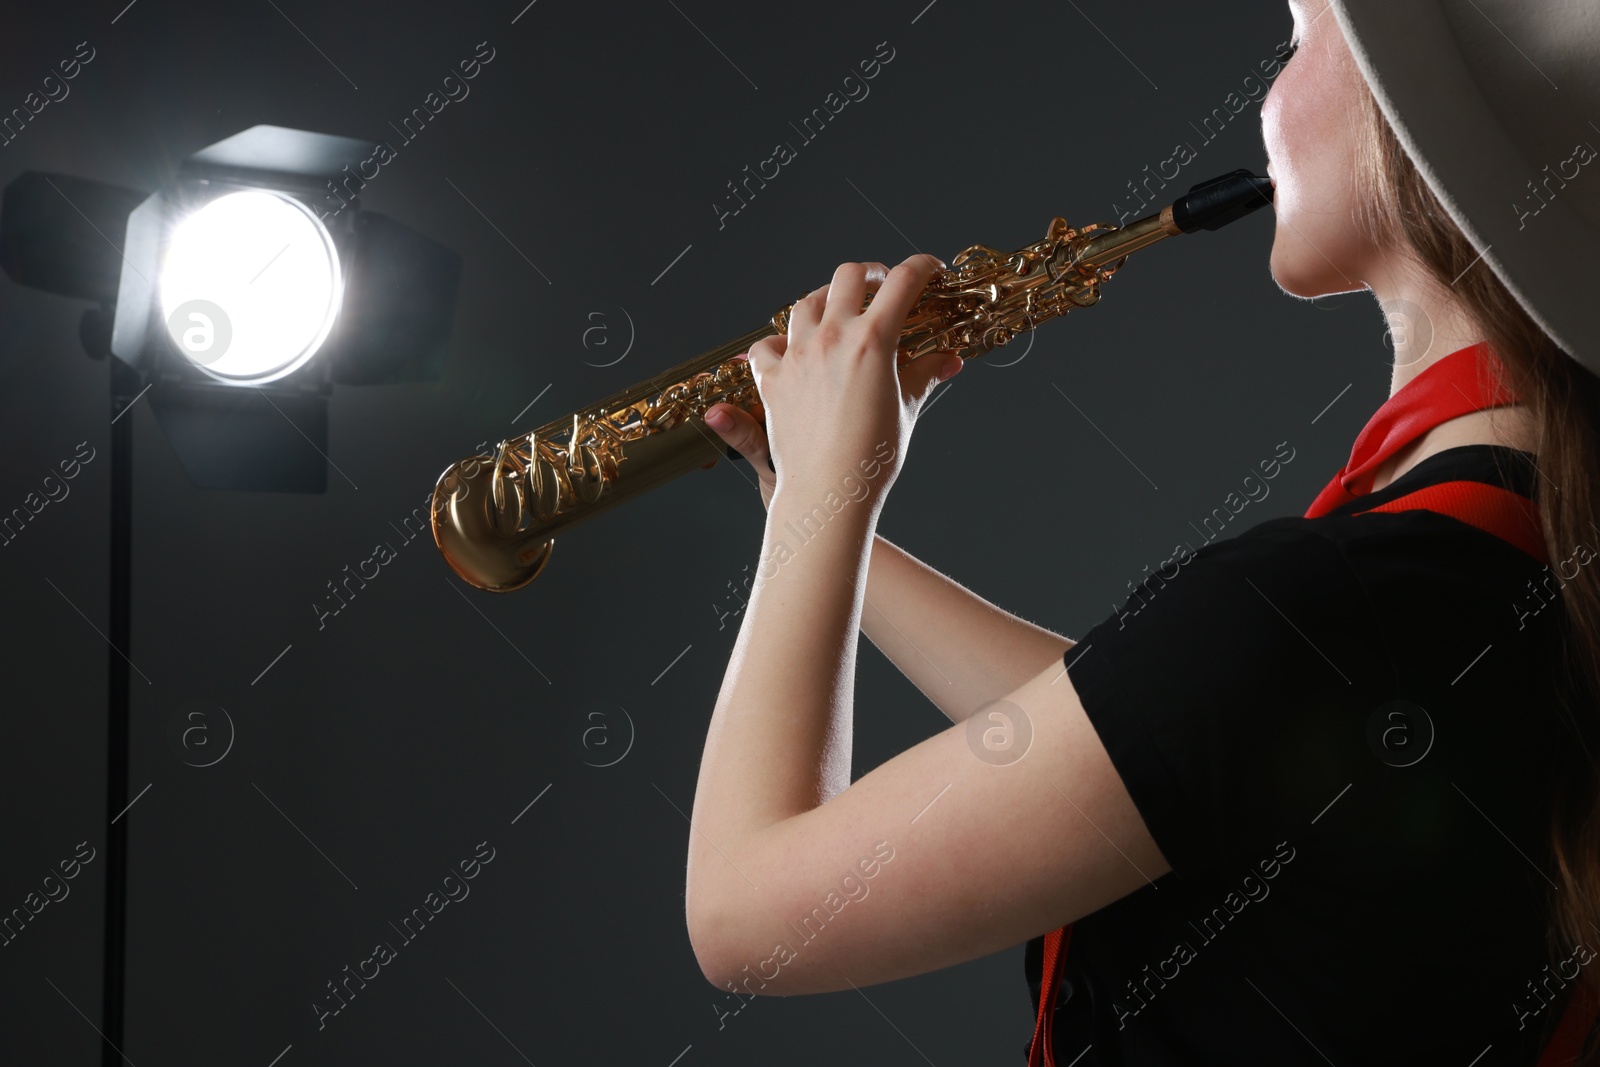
column 1397, row 208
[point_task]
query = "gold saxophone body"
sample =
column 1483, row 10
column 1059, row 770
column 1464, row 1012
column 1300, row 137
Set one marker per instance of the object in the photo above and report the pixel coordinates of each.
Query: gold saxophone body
column 495, row 515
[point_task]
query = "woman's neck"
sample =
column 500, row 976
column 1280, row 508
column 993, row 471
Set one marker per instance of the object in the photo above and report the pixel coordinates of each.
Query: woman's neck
column 1426, row 324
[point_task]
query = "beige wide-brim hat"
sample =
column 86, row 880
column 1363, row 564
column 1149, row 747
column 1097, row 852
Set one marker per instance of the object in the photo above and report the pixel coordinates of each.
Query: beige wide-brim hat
column 1498, row 104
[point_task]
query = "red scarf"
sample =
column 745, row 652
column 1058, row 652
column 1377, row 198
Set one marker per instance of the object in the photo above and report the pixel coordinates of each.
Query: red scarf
column 1458, row 384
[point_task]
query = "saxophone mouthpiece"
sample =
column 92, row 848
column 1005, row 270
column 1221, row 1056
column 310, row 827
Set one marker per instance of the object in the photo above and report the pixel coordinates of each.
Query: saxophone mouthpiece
column 1213, row 204
column 1210, row 205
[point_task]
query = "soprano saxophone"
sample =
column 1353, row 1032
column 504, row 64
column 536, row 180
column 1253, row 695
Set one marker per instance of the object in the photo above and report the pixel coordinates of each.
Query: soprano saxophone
column 495, row 515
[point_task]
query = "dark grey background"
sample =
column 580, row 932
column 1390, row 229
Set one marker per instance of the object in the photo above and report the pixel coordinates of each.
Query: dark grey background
column 420, row 722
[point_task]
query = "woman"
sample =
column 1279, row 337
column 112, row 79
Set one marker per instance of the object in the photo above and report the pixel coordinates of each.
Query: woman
column 1324, row 799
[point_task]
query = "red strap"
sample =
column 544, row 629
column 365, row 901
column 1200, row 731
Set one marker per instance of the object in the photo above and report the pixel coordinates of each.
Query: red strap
column 1509, row 516
column 1042, row 1053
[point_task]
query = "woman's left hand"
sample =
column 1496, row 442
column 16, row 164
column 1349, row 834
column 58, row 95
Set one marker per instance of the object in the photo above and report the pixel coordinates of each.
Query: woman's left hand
column 837, row 405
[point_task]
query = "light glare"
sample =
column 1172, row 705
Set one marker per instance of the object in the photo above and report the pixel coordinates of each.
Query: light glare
column 250, row 286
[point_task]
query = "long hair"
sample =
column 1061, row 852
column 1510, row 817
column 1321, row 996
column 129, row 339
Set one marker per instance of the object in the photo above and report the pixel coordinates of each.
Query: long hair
column 1398, row 208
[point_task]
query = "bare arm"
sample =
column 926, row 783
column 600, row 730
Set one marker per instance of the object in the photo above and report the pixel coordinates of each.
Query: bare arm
column 775, row 810
column 955, row 646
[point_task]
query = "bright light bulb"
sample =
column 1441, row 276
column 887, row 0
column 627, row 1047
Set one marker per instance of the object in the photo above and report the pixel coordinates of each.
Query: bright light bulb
column 250, row 286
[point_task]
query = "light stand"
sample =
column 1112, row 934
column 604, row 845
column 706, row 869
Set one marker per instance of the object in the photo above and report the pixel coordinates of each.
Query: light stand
column 392, row 306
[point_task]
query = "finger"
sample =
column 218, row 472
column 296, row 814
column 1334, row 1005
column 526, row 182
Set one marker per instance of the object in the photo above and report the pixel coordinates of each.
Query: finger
column 765, row 353
column 846, row 291
column 744, row 433
column 919, row 377
column 806, row 313
column 900, row 291
column 876, row 273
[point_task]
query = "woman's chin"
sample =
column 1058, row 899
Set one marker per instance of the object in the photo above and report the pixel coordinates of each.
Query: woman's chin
column 1309, row 277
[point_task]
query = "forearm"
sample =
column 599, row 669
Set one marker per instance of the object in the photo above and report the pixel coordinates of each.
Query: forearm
column 955, row 646
column 780, row 734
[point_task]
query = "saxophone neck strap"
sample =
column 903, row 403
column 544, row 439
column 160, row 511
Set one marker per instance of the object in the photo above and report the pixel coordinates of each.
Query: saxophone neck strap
column 1042, row 1052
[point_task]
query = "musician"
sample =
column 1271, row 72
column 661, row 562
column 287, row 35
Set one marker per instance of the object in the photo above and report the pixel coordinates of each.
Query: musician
column 1324, row 793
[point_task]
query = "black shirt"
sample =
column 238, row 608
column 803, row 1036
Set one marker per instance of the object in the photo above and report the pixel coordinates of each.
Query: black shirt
column 1354, row 880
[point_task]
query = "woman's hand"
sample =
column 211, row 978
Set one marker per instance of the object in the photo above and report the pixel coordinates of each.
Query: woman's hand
column 747, row 433
column 837, row 407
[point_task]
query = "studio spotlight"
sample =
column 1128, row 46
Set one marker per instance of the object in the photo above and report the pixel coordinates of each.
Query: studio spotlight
column 236, row 297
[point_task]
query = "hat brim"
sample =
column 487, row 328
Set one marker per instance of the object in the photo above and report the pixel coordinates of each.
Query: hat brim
column 1411, row 57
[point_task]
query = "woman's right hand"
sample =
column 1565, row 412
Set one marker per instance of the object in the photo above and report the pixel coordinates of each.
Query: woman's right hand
column 746, row 432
